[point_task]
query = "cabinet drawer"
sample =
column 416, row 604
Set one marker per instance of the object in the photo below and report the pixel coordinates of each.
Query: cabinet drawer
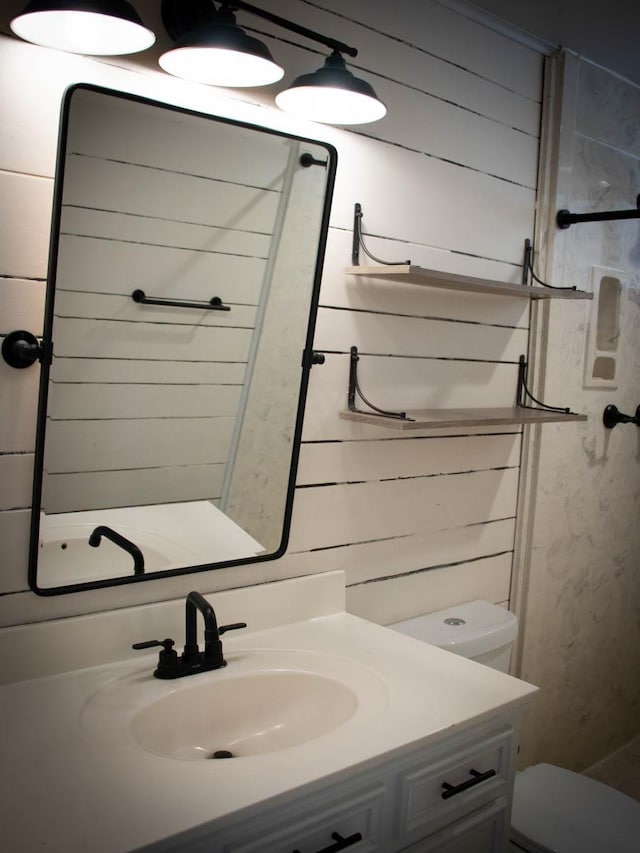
column 483, row 831
column 434, row 794
column 319, row 831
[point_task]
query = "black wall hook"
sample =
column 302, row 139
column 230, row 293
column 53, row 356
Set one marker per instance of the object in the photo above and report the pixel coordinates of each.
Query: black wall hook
column 22, row 349
column 612, row 416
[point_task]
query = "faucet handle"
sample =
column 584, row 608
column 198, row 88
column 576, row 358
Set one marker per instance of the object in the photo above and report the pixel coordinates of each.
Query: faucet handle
column 167, row 659
column 150, row 644
column 233, row 627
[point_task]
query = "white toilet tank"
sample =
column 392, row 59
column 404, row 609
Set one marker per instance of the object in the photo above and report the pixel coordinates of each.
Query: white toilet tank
column 478, row 630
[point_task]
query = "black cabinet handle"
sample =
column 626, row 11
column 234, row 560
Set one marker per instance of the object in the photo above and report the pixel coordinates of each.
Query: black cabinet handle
column 476, row 778
column 340, row 842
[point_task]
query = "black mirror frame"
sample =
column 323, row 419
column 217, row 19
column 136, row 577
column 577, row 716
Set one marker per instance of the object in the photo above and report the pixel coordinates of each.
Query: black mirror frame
column 308, row 356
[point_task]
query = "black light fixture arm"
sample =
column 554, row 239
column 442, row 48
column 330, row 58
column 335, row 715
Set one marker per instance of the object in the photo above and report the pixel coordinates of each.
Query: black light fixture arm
column 358, row 242
column 565, row 218
column 327, row 41
column 354, row 388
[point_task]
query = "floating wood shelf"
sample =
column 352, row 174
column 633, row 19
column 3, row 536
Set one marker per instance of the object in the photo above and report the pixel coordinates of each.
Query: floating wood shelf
column 446, row 418
column 409, row 274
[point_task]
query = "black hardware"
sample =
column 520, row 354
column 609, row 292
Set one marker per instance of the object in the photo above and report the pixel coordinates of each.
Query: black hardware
column 307, row 160
column 22, row 349
column 523, row 394
column 341, row 842
column 122, row 542
column 612, row 416
column 527, row 269
column 167, row 659
column 214, row 304
column 192, row 659
column 476, row 779
column 317, row 357
column 358, row 242
column 181, row 16
column 565, row 219
column 354, row 388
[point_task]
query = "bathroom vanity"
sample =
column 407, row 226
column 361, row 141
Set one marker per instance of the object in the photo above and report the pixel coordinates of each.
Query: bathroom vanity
column 344, row 735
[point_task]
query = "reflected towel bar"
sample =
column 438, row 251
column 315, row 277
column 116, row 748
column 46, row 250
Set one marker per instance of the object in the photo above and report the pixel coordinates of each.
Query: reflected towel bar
column 565, row 218
column 214, row 304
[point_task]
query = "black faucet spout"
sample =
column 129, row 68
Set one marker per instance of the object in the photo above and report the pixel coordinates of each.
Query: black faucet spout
column 212, row 645
column 122, row 542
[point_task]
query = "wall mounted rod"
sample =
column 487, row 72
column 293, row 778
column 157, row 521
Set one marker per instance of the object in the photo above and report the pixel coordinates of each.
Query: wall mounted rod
column 214, row 304
column 292, row 27
column 565, row 218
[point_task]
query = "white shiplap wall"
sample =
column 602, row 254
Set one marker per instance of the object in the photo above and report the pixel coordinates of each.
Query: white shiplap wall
column 448, row 179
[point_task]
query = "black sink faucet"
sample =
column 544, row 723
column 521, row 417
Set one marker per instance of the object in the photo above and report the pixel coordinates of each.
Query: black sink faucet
column 212, row 645
column 122, row 542
column 192, row 659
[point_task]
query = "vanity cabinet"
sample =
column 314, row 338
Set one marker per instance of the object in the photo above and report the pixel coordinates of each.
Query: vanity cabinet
column 451, row 798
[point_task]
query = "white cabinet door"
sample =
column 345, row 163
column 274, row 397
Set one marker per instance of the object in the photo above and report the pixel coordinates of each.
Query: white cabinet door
column 484, row 831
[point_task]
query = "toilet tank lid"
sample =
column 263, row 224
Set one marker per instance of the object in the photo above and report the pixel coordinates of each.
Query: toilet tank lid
column 556, row 809
column 468, row 629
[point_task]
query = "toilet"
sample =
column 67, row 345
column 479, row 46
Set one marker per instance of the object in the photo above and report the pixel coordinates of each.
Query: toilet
column 554, row 810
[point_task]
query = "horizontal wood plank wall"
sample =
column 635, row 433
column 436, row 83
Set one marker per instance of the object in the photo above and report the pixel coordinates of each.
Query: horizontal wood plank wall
column 446, row 179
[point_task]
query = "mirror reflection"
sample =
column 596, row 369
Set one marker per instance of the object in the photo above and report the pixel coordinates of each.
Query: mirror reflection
column 184, row 271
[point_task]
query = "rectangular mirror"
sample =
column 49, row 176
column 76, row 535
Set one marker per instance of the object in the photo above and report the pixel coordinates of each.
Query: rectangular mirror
column 184, row 272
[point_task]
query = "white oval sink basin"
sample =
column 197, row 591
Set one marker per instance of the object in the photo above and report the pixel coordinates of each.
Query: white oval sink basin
column 249, row 715
column 262, row 702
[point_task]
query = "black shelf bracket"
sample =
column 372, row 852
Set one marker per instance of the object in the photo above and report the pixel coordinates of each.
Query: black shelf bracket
column 528, row 272
column 354, row 390
column 565, row 218
column 523, row 394
column 214, row 304
column 358, row 242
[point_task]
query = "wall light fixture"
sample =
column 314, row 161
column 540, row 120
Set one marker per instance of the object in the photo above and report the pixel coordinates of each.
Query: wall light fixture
column 210, row 47
column 93, row 27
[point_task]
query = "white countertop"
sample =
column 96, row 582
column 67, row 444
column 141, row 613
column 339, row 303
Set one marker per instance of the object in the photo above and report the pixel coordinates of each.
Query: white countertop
column 72, row 787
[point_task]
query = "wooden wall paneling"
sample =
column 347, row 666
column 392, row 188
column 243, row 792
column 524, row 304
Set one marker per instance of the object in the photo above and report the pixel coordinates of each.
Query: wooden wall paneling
column 111, row 445
column 110, row 266
column 14, row 535
column 456, row 209
column 18, row 406
column 22, row 305
column 362, row 512
column 444, row 33
column 384, row 559
column 107, row 489
column 151, row 231
column 406, row 60
column 373, row 332
column 147, row 371
column 136, row 190
column 25, row 222
column 431, row 590
column 16, row 477
column 354, row 461
column 82, row 401
column 78, row 338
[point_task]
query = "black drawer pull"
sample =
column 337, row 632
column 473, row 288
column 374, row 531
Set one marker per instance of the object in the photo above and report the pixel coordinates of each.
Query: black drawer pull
column 476, row 778
column 341, row 843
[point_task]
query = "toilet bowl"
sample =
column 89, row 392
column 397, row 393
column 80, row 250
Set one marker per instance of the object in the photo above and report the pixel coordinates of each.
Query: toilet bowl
column 554, row 810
